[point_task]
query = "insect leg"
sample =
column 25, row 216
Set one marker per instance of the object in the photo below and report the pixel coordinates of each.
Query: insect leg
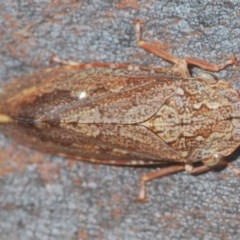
column 153, row 175
column 82, row 66
column 159, row 50
column 156, row 48
column 173, row 169
column 79, row 65
column 216, row 161
column 209, row 66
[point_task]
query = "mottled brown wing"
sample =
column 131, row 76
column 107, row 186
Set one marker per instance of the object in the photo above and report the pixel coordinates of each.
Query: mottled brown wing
column 90, row 96
column 91, row 115
column 116, row 144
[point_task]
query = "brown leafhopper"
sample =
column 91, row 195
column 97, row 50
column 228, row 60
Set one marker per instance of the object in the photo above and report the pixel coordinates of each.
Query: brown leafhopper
column 127, row 115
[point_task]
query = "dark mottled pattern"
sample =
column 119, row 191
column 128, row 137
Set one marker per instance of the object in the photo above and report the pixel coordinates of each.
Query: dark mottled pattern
column 124, row 117
column 52, row 118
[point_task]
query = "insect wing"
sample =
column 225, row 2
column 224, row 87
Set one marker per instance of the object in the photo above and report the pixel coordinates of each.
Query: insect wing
column 91, row 115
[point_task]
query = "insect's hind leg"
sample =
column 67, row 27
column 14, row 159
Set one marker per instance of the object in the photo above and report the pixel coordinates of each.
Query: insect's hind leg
column 107, row 65
column 80, row 65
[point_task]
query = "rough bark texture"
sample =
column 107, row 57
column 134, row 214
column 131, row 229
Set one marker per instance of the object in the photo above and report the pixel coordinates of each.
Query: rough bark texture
column 47, row 197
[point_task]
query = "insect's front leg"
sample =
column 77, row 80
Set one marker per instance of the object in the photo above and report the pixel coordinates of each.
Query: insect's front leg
column 156, row 174
column 159, row 49
column 215, row 162
column 167, row 171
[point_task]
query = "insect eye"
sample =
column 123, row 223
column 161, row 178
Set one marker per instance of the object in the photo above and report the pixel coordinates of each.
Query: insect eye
column 217, row 157
column 214, row 160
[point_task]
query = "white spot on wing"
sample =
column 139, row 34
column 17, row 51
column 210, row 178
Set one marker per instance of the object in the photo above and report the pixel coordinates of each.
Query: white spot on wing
column 82, row 95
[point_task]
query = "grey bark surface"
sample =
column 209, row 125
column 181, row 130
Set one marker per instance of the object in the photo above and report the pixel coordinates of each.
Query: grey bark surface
column 47, row 197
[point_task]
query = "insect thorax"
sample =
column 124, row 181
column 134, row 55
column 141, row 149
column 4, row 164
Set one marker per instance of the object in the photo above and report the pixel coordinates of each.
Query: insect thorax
column 196, row 121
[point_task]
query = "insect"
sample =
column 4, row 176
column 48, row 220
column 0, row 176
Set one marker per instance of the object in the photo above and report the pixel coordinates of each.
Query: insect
column 127, row 115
